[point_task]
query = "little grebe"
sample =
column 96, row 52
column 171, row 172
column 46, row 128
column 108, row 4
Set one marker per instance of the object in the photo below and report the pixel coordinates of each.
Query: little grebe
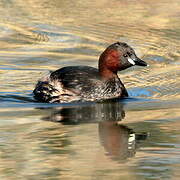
column 84, row 83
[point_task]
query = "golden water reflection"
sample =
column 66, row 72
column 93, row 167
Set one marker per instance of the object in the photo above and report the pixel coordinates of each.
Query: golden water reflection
column 107, row 141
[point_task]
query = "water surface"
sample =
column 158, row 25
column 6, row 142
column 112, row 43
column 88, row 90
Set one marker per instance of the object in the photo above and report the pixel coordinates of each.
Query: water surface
column 137, row 138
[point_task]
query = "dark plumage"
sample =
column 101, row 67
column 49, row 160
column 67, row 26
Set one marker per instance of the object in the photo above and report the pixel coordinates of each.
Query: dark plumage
column 84, row 83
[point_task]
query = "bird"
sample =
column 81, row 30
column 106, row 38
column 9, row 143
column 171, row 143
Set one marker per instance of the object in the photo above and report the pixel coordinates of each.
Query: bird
column 85, row 83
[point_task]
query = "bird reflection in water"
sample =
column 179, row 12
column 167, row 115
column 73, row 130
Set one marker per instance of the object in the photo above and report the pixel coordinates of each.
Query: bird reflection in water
column 119, row 141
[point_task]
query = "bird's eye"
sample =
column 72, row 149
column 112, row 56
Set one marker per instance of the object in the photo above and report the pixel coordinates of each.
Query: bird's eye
column 125, row 55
